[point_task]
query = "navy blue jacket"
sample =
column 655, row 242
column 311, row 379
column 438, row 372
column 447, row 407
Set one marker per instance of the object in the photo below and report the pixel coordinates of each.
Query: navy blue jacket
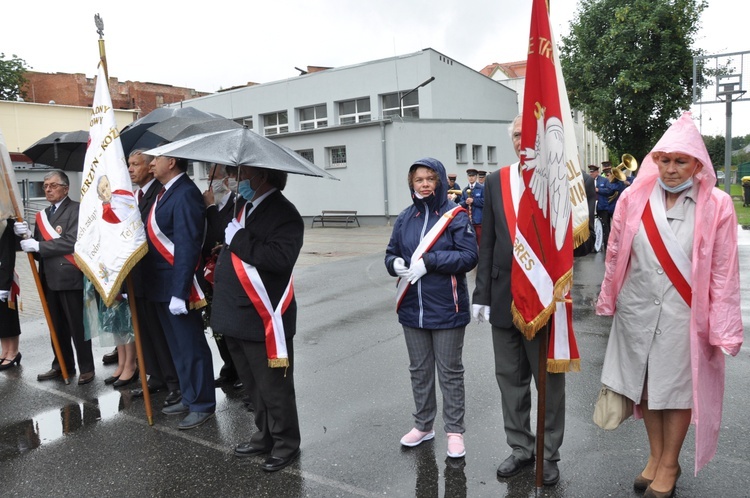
column 606, row 189
column 440, row 299
column 477, row 205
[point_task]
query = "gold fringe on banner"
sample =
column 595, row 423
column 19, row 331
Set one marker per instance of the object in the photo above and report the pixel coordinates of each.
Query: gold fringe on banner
column 123, row 273
column 278, row 362
column 580, row 234
column 563, row 366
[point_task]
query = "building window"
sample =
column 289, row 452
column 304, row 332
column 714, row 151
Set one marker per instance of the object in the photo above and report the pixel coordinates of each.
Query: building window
column 313, row 117
column 460, row 153
column 491, row 154
column 392, row 104
column 275, row 123
column 159, row 100
column 336, row 157
column 307, row 154
column 476, row 153
column 246, row 121
column 354, row 111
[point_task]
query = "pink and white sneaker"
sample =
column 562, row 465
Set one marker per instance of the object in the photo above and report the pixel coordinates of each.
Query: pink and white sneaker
column 416, row 437
column 456, row 448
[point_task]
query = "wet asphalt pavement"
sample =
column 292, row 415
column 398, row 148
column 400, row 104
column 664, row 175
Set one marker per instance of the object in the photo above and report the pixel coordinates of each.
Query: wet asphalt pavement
column 354, row 401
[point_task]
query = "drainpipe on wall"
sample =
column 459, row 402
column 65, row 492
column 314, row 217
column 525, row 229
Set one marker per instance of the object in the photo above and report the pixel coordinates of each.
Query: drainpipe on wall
column 385, row 172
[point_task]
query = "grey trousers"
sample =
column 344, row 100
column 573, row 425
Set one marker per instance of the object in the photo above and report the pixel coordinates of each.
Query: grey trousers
column 441, row 348
column 516, row 362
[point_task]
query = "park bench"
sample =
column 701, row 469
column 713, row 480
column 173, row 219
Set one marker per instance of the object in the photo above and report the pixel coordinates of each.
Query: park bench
column 335, row 217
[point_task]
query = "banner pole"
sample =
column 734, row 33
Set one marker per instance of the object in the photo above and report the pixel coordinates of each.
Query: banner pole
column 541, row 407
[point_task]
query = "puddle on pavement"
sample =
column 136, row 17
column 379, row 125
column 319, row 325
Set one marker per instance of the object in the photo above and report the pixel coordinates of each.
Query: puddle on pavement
column 51, row 425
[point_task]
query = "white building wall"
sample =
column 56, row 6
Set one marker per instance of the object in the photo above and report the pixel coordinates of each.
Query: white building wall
column 460, row 106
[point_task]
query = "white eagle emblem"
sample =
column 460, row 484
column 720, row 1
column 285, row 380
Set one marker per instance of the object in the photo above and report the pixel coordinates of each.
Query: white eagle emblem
column 549, row 181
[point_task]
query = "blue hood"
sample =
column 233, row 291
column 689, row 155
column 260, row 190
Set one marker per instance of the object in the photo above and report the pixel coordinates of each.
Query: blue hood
column 441, row 192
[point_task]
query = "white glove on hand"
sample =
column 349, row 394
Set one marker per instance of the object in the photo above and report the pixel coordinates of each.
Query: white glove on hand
column 4, row 295
column 177, row 306
column 20, row 228
column 399, row 266
column 231, row 230
column 481, row 312
column 416, row 271
column 29, row 245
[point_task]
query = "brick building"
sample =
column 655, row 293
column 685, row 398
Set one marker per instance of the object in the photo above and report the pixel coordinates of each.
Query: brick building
column 78, row 90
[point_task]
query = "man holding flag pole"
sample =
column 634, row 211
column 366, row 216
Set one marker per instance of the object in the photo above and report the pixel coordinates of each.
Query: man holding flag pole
column 525, row 264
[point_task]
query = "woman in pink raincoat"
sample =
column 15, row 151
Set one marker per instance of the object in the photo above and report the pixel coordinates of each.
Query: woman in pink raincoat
column 672, row 283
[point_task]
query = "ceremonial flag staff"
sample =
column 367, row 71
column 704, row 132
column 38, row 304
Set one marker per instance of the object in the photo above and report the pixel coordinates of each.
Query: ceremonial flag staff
column 136, row 253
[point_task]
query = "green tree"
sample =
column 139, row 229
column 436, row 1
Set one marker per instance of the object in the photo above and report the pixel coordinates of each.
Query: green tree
column 628, row 65
column 11, row 77
column 715, row 146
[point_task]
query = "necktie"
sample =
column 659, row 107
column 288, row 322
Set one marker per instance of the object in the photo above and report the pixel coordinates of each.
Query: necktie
column 248, row 208
column 52, row 209
column 140, row 195
column 161, row 193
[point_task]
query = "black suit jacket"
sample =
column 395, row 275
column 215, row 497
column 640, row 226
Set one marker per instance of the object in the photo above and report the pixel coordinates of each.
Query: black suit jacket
column 271, row 241
column 146, row 264
column 7, row 255
column 216, row 222
column 495, row 256
column 60, row 274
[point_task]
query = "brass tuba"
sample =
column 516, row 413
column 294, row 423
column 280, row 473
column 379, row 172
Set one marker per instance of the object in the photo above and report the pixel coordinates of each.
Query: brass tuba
column 628, row 163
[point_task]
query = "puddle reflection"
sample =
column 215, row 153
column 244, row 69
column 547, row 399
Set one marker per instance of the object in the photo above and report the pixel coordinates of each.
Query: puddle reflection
column 51, row 425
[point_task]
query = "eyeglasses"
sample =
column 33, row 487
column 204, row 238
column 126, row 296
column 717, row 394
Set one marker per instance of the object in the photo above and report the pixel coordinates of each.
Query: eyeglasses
column 52, row 186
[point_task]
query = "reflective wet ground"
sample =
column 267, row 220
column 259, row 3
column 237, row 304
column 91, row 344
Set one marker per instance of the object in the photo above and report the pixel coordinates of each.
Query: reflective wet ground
column 355, row 403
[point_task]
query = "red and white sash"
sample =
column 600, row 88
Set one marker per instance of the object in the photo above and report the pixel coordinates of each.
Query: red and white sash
column 426, row 243
column 49, row 233
column 165, row 247
column 273, row 322
column 14, row 300
column 667, row 248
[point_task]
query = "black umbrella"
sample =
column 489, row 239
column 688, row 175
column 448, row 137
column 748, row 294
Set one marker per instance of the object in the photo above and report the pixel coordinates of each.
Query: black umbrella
column 179, row 127
column 61, row 150
column 133, row 132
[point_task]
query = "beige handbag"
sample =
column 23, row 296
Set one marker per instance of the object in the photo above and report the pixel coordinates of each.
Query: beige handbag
column 611, row 409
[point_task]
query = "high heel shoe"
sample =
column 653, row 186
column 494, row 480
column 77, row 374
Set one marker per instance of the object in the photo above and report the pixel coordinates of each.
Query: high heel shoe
column 6, row 363
column 652, row 493
column 124, row 382
column 111, row 379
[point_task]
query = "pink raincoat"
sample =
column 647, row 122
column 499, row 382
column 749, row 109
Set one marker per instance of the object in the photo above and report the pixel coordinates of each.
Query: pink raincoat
column 716, row 320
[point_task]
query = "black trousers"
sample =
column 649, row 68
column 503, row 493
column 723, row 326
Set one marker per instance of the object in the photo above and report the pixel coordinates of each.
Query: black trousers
column 606, row 218
column 66, row 309
column 272, row 392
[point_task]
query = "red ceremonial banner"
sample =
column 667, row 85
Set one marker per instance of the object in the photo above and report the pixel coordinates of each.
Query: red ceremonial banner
column 543, row 247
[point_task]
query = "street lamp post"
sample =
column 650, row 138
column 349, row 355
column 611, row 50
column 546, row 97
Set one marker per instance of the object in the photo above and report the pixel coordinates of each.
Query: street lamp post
column 401, row 100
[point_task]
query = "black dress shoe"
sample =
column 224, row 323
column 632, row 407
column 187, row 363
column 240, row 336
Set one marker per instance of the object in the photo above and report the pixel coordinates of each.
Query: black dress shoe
column 6, row 363
column 153, row 387
column 272, row 464
column 111, row 379
column 124, row 382
column 111, row 357
column 248, row 450
column 512, row 466
column 173, row 398
column 51, row 374
column 550, row 473
column 85, row 378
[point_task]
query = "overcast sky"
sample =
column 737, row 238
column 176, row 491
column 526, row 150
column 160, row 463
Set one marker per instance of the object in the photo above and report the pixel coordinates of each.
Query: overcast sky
column 212, row 45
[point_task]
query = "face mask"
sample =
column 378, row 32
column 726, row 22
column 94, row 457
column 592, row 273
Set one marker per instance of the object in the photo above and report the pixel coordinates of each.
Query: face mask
column 232, row 184
column 677, row 189
column 218, row 187
column 246, row 191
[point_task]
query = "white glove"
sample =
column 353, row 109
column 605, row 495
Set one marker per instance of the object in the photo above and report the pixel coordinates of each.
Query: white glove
column 481, row 312
column 177, row 306
column 399, row 266
column 20, row 228
column 29, row 245
column 231, row 230
column 4, row 295
column 416, row 271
